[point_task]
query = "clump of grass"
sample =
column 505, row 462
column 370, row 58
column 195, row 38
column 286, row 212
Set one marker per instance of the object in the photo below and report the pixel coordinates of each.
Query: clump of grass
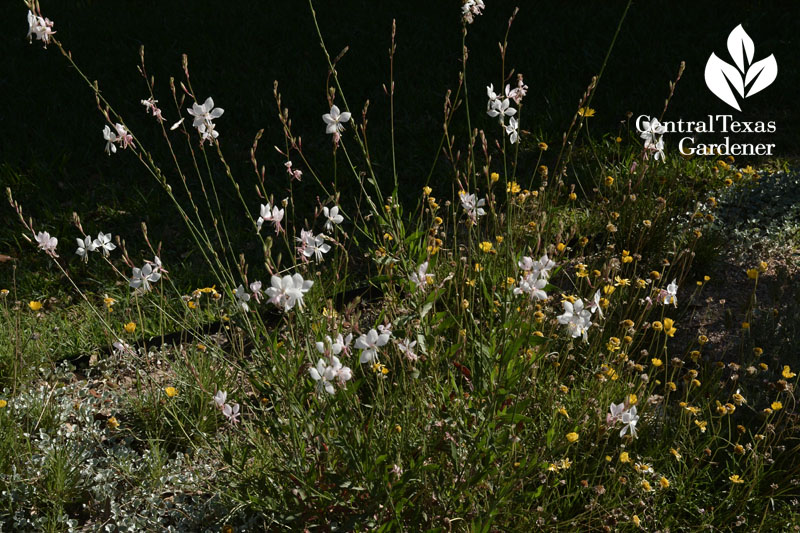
column 516, row 358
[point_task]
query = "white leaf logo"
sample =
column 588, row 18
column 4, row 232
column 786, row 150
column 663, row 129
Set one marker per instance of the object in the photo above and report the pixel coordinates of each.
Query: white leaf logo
column 746, row 78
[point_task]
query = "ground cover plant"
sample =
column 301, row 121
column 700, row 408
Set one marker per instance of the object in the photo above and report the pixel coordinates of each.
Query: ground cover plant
column 531, row 340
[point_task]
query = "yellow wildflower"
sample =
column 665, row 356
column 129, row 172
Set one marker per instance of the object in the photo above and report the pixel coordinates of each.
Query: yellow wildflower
column 171, row 391
column 572, row 437
column 35, row 305
column 130, row 327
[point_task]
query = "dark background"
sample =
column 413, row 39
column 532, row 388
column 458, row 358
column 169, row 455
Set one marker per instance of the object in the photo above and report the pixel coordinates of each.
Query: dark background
column 50, row 130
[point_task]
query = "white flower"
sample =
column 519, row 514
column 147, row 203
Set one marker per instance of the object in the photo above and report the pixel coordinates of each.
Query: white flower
column 616, row 411
column 270, row 213
column 652, row 129
column 540, row 268
column 335, row 346
column 325, row 374
column 103, row 242
column 47, row 243
column 421, row 278
column 39, row 27
column 207, row 132
column 124, row 137
column 670, row 296
column 594, row 305
column 205, row 114
column 121, row 346
column 512, row 130
column 314, row 245
column 335, row 120
column 333, row 217
column 288, row 291
column 491, row 94
column 220, row 397
column 500, row 108
column 176, row 125
column 85, row 246
column 242, row 297
column 255, row 288
column 470, row 9
column 532, row 286
column 519, row 92
column 142, row 278
column 231, row 412
column 576, row 318
column 406, row 347
column 151, row 105
column 629, row 418
column 370, row 343
column 472, row 206
column 110, row 138
column 656, row 148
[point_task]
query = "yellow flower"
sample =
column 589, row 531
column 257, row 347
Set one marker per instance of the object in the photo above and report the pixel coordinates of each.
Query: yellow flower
column 398, row 428
column 787, row 372
column 671, row 386
column 635, row 519
column 701, row 425
column 646, row 485
column 675, row 453
column 573, row 196
column 464, row 303
column 543, row 146
column 563, row 388
column 758, row 351
column 702, row 339
column 572, row 437
column 632, row 399
column 624, row 457
column 738, row 449
column 485, row 246
column 752, row 273
column 4, row 292
column 586, row 112
column 171, row 391
column 776, row 406
column 657, row 325
column 513, row 187
column 736, row 479
column 112, row 423
column 609, row 180
column 624, row 282
column 560, row 246
column 130, row 327
column 664, row 482
column 35, row 305
column 494, row 176
column 426, row 191
column 626, row 257
column 656, row 362
column 3, row 403
column 647, row 223
column 669, row 327
column 563, row 411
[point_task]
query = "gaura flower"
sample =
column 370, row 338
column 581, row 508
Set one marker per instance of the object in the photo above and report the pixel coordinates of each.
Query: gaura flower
column 288, row 291
column 242, row 297
column 143, row 277
column 332, row 217
column 47, row 243
column 335, row 120
column 370, row 343
column 103, row 243
column 421, row 278
column 204, row 114
column 85, row 246
column 39, row 27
